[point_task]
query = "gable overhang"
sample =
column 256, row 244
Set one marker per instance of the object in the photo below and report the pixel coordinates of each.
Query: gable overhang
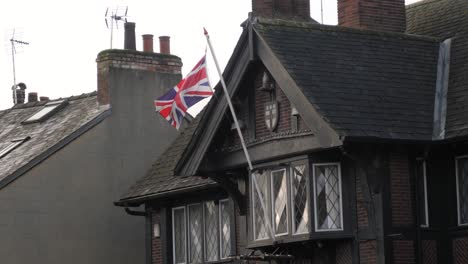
column 251, row 46
column 327, row 137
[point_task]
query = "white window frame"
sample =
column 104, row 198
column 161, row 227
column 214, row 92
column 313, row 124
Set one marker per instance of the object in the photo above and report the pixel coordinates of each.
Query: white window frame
column 51, row 106
column 426, row 204
column 340, row 183
column 185, row 236
column 273, row 223
column 293, row 211
column 458, row 190
column 220, row 252
column 13, row 145
column 253, row 210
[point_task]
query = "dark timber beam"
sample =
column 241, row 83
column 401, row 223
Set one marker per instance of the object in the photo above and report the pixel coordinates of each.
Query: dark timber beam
column 233, row 191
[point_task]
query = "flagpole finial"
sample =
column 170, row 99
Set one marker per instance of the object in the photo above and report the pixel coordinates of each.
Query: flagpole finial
column 205, row 32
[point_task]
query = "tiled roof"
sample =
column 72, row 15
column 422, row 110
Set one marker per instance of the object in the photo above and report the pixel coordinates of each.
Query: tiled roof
column 44, row 136
column 160, row 178
column 447, row 19
column 363, row 83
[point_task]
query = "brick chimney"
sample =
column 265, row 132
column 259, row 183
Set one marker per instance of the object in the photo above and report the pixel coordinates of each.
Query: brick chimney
column 134, row 75
column 32, row 97
column 129, row 41
column 147, row 43
column 286, row 9
column 165, row 45
column 381, row 15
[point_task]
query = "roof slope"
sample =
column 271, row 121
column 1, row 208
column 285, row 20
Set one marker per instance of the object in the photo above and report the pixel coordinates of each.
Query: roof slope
column 364, row 83
column 447, row 19
column 45, row 135
column 160, row 179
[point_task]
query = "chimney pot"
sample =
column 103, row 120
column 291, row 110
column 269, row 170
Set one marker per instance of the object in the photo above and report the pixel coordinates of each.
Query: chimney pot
column 165, row 45
column 129, row 42
column 32, row 97
column 148, row 43
column 44, row 98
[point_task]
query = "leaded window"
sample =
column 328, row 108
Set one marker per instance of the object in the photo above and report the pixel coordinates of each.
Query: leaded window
column 462, row 189
column 279, row 201
column 195, row 233
column 421, row 179
column 225, row 228
column 327, row 197
column 203, row 234
column 179, row 235
column 260, row 203
column 299, row 199
column 211, row 231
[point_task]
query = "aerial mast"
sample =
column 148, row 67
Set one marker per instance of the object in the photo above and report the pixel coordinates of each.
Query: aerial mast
column 14, row 42
column 115, row 16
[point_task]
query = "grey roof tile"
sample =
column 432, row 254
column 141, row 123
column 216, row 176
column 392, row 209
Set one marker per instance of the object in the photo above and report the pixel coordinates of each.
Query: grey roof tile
column 362, row 82
column 447, row 19
column 79, row 111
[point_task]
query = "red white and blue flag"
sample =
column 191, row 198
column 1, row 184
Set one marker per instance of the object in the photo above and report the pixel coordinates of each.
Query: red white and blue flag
column 193, row 88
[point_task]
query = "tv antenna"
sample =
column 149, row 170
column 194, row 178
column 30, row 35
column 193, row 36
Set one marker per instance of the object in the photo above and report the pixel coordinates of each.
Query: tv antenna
column 115, row 15
column 15, row 43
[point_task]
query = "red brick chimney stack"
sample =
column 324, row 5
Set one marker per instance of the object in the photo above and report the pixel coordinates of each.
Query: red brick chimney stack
column 164, row 45
column 286, row 9
column 382, row 15
column 147, row 43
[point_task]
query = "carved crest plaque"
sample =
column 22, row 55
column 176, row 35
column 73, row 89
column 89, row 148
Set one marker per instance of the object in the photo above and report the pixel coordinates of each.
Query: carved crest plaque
column 271, row 115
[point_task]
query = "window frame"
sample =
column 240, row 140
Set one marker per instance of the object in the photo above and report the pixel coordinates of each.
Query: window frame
column 314, row 211
column 14, row 143
column 458, row 189
column 185, row 235
column 55, row 106
column 272, row 201
column 220, row 249
column 253, row 209
column 185, row 207
column 308, row 196
column 426, row 201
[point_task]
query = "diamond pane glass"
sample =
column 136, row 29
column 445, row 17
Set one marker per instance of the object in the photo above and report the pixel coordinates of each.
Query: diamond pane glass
column 463, row 190
column 260, row 215
column 211, row 231
column 300, row 200
column 225, row 222
column 195, row 233
column 178, row 233
column 328, row 197
column 280, row 200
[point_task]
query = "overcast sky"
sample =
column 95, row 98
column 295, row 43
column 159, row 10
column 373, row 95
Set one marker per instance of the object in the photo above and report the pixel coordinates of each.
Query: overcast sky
column 66, row 36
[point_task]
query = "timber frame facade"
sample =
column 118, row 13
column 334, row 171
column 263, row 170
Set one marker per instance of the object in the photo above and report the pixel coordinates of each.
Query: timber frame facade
column 357, row 139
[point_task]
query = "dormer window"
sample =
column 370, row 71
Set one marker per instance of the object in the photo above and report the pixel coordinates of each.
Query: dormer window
column 12, row 145
column 47, row 111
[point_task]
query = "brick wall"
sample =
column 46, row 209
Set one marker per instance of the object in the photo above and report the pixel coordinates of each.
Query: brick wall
column 429, row 251
column 156, row 251
column 401, row 195
column 368, row 252
column 132, row 60
column 284, row 107
column 383, row 15
column 403, row 252
column 460, row 251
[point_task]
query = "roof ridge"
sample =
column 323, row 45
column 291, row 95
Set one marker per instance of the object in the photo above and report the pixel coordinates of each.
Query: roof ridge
column 41, row 103
column 336, row 28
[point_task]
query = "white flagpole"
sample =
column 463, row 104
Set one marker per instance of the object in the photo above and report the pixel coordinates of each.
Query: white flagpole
column 229, row 102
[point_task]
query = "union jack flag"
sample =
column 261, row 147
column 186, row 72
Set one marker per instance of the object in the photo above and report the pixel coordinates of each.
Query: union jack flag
column 193, row 88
